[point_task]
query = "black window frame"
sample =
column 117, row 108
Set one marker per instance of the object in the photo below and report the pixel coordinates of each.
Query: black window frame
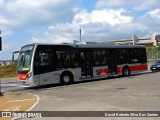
column 43, row 67
column 99, row 57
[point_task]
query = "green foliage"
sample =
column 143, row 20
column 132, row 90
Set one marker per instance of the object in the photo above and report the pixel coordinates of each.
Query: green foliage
column 8, row 70
column 153, row 48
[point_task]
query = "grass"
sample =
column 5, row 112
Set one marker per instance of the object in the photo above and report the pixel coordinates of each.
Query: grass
column 8, row 70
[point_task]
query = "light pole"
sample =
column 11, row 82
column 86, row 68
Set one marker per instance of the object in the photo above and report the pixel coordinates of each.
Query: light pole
column 0, row 50
column 80, row 34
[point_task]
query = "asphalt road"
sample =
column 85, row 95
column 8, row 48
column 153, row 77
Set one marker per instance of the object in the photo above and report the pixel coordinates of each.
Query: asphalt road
column 135, row 93
column 10, row 85
column 138, row 92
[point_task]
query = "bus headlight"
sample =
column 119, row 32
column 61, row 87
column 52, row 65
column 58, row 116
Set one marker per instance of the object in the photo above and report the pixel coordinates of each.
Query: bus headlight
column 29, row 75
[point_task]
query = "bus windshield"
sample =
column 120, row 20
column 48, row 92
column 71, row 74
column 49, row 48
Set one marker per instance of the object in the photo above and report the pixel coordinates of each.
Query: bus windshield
column 24, row 60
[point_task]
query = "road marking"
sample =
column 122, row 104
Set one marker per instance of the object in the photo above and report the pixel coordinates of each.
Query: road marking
column 31, row 106
column 35, row 103
column 13, row 108
column 20, row 100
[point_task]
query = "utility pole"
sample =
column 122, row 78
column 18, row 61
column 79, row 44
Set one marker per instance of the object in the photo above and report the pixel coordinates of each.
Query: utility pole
column 0, row 50
column 80, row 34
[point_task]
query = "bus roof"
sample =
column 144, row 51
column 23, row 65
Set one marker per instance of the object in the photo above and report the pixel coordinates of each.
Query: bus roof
column 98, row 45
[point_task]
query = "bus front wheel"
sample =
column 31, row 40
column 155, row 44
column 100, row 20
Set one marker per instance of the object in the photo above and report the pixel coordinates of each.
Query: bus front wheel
column 66, row 78
column 126, row 71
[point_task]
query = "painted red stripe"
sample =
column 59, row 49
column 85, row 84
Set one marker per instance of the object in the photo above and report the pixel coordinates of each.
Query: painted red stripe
column 119, row 69
column 134, row 68
column 103, row 71
column 138, row 67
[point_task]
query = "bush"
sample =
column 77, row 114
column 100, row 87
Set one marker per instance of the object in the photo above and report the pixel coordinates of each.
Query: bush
column 8, row 70
column 153, row 48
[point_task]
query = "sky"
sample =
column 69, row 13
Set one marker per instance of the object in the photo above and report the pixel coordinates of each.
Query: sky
column 59, row 21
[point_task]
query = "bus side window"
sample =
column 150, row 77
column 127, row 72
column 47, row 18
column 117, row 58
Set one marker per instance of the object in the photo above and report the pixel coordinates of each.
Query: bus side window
column 37, row 60
column 103, row 57
column 59, row 59
column 75, row 59
column 67, row 61
column 121, row 56
column 136, row 55
column 96, row 58
column 43, row 59
column 99, row 58
column 82, row 59
column 63, row 59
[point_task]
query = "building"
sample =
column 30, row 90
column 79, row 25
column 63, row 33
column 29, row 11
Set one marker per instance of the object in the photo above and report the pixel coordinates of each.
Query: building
column 154, row 40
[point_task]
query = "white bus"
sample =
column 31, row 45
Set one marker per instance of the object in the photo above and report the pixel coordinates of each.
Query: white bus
column 41, row 64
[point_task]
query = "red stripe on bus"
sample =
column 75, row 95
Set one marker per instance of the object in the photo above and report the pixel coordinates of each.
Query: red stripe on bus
column 119, row 69
column 102, row 71
column 138, row 67
column 133, row 68
column 22, row 76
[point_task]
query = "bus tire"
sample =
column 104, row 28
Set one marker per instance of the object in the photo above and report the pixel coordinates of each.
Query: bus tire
column 126, row 71
column 66, row 78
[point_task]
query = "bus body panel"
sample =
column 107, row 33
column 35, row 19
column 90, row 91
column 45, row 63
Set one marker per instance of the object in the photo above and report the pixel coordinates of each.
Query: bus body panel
column 134, row 68
column 100, row 71
column 113, row 60
column 51, row 77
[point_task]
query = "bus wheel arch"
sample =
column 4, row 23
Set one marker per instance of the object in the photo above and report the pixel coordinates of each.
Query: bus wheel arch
column 66, row 78
column 126, row 71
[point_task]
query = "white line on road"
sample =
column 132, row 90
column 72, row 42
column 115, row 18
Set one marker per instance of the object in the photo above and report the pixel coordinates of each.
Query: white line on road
column 35, row 103
column 32, row 105
column 21, row 100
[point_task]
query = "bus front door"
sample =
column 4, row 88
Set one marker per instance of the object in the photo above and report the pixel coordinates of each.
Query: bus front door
column 85, row 63
column 112, row 63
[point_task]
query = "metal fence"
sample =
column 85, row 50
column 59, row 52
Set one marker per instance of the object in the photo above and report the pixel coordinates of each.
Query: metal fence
column 153, row 56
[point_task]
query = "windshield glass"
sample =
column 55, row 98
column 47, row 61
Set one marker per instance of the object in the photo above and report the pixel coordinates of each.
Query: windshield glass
column 24, row 60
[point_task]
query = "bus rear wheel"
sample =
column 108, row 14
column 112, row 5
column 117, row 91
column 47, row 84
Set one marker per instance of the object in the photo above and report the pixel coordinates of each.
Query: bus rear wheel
column 126, row 71
column 66, row 78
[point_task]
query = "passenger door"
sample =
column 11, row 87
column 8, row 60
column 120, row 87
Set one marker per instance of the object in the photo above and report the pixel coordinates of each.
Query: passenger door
column 111, row 61
column 85, row 63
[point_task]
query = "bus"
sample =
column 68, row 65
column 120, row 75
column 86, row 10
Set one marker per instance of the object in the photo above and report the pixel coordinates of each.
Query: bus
column 42, row 64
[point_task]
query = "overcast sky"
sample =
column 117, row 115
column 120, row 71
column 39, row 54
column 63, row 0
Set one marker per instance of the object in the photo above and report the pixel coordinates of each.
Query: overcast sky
column 58, row 21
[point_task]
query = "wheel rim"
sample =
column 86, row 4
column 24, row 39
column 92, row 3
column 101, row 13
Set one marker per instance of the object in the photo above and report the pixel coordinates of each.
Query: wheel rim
column 126, row 72
column 66, row 79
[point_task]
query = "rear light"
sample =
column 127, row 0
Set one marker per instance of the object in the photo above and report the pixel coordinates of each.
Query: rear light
column 22, row 76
